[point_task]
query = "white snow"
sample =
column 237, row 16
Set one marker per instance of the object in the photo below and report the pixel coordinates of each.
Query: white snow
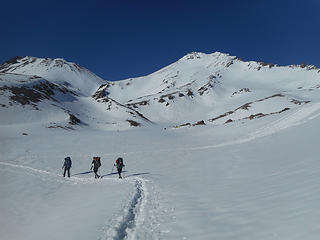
column 59, row 71
column 247, row 179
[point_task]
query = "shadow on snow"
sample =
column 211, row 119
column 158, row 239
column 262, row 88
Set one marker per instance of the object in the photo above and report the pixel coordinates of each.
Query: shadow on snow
column 82, row 173
column 130, row 175
column 113, row 173
column 137, row 174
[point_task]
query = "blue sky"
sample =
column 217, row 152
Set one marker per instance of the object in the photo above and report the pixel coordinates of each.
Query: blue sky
column 130, row 38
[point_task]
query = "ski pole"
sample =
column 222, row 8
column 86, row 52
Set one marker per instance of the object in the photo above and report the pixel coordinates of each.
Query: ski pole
column 124, row 170
column 112, row 168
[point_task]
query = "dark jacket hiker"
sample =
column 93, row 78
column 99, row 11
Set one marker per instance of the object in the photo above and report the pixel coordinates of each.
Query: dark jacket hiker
column 119, row 164
column 96, row 163
column 67, row 165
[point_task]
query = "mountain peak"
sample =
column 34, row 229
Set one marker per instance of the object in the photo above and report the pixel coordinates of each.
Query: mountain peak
column 57, row 70
column 201, row 55
column 20, row 62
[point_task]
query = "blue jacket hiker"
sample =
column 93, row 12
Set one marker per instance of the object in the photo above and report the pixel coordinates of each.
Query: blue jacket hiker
column 66, row 166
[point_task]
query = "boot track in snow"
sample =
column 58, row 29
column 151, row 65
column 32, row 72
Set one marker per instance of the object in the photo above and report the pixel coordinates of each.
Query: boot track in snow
column 127, row 223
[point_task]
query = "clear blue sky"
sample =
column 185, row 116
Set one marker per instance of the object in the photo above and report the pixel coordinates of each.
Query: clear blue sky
column 128, row 38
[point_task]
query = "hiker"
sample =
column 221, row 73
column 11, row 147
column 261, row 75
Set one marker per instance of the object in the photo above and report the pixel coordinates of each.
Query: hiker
column 119, row 164
column 96, row 163
column 67, row 165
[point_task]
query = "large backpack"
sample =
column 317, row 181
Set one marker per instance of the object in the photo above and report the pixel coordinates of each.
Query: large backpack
column 98, row 161
column 68, row 162
column 119, row 162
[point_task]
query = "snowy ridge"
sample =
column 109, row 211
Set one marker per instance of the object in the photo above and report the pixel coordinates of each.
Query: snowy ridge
column 198, row 89
column 56, row 70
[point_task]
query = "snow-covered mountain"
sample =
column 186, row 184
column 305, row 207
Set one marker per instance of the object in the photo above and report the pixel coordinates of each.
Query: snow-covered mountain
column 197, row 89
column 26, row 98
column 58, row 71
column 228, row 150
column 57, row 93
column 215, row 88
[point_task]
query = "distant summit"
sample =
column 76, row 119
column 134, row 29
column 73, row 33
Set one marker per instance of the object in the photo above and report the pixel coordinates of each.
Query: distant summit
column 56, row 70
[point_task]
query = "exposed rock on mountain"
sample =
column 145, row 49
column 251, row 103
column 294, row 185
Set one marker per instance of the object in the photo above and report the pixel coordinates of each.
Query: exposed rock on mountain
column 198, row 89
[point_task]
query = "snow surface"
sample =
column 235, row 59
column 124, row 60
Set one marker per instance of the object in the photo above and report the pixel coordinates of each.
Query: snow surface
column 58, row 71
column 251, row 178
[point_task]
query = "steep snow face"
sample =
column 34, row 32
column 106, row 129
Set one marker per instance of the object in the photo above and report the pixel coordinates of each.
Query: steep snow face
column 59, row 71
column 192, row 71
column 29, row 99
column 202, row 87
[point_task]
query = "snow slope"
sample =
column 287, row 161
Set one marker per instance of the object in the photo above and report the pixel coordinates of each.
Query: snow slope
column 248, row 171
column 59, row 71
column 204, row 86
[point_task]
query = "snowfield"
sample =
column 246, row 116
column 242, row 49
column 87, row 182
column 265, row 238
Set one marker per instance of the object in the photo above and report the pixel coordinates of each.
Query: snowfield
column 250, row 170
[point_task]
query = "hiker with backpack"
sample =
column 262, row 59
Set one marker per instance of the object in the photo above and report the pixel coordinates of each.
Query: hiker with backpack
column 67, row 165
column 96, row 163
column 119, row 164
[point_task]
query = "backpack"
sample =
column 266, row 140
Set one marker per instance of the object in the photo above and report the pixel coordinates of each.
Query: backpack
column 68, row 162
column 98, row 161
column 119, row 162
